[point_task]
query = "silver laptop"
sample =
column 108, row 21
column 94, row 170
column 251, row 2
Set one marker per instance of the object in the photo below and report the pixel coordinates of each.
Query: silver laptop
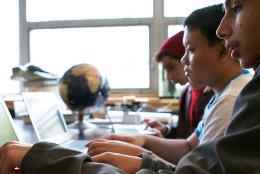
column 8, row 131
column 48, row 121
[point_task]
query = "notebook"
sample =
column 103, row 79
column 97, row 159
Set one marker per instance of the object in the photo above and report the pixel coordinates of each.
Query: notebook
column 48, row 121
column 8, row 131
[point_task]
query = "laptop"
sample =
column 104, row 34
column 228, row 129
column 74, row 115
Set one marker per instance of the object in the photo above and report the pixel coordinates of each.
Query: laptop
column 8, row 131
column 135, row 129
column 132, row 129
column 48, row 121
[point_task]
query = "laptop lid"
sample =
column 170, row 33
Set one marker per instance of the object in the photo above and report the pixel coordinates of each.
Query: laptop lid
column 46, row 117
column 8, row 131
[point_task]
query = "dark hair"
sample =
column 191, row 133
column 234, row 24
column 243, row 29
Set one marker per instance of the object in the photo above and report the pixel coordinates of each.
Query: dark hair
column 207, row 20
column 160, row 55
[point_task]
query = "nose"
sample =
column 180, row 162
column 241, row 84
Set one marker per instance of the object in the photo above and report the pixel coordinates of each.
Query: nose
column 223, row 30
column 169, row 76
column 184, row 59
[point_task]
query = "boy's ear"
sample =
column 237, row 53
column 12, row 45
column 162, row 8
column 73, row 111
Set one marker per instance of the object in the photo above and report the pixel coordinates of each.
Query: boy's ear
column 223, row 51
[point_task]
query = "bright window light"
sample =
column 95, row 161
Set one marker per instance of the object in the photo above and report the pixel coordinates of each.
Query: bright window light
column 182, row 8
column 174, row 29
column 49, row 10
column 9, row 44
column 120, row 53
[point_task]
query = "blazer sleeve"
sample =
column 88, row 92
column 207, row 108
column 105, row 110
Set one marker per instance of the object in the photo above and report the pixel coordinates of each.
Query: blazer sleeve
column 53, row 159
column 49, row 158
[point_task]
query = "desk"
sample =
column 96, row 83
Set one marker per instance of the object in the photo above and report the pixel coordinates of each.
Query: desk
column 91, row 133
column 27, row 135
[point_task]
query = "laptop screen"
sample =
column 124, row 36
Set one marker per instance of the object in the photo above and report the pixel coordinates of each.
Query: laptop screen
column 7, row 131
column 45, row 115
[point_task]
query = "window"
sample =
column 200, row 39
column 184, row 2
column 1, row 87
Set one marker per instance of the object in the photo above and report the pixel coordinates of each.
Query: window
column 119, row 37
column 174, row 29
column 115, row 37
column 120, row 53
column 177, row 8
column 50, row 10
column 9, row 44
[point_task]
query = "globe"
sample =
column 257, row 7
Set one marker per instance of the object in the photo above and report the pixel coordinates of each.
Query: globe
column 82, row 86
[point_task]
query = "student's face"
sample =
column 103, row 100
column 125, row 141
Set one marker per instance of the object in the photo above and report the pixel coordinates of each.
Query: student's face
column 174, row 70
column 240, row 28
column 201, row 60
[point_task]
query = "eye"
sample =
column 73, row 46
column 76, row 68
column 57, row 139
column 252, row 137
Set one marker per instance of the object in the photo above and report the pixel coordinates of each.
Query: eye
column 190, row 50
column 170, row 67
column 236, row 8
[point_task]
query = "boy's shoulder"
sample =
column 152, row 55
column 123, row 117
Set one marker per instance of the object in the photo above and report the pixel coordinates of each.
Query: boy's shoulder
column 236, row 85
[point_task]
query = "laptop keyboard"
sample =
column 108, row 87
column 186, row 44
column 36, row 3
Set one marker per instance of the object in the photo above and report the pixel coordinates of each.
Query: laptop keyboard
column 128, row 131
column 132, row 129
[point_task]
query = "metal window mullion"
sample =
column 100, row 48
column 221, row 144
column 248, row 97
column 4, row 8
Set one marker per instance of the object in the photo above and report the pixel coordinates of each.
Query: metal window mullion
column 24, row 34
column 157, row 25
column 173, row 21
column 170, row 21
column 156, row 32
column 89, row 23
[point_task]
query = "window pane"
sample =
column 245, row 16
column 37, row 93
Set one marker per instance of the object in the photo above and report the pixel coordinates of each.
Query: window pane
column 49, row 10
column 173, row 29
column 120, row 53
column 9, row 44
column 177, row 8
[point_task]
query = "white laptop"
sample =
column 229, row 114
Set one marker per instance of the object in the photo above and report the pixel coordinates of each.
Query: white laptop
column 7, row 131
column 48, row 121
column 132, row 129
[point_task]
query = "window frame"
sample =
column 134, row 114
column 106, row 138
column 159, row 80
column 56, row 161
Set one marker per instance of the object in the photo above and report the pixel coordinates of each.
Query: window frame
column 158, row 27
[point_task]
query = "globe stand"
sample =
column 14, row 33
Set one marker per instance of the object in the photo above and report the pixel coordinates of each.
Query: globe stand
column 81, row 124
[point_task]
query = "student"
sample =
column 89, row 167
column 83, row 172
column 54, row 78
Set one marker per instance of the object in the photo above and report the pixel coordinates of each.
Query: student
column 236, row 152
column 206, row 62
column 193, row 98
